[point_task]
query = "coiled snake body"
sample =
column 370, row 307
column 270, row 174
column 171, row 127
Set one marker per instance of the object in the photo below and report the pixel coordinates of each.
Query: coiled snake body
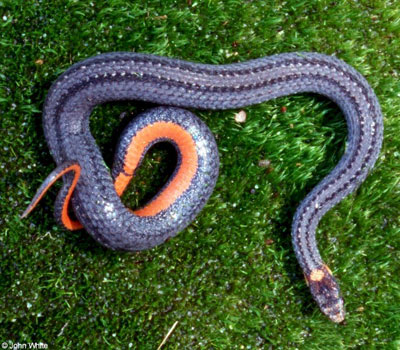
column 116, row 76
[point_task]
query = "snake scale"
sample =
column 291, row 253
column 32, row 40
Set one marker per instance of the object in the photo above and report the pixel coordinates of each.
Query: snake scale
column 94, row 193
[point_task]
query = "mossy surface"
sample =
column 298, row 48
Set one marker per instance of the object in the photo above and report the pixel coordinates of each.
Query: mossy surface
column 230, row 279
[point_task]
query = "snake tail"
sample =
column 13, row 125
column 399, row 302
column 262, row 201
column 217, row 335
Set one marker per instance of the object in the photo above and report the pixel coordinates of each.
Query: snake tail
column 171, row 82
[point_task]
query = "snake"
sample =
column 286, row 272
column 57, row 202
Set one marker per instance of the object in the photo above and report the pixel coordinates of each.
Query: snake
column 90, row 195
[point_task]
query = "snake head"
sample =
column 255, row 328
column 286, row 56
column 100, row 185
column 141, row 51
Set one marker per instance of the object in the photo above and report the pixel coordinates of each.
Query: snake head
column 326, row 293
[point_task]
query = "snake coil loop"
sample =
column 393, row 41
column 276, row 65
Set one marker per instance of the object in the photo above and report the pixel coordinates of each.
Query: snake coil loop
column 131, row 76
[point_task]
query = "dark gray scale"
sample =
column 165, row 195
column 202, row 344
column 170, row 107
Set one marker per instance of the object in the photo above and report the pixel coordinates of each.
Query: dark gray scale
column 131, row 76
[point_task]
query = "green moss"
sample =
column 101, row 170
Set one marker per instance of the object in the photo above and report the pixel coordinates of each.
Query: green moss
column 231, row 278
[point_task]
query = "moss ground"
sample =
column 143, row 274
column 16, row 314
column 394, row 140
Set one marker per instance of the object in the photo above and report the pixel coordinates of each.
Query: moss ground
column 231, row 279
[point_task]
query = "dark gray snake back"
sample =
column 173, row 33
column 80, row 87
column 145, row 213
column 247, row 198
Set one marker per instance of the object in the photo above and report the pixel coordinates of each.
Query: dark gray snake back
column 165, row 81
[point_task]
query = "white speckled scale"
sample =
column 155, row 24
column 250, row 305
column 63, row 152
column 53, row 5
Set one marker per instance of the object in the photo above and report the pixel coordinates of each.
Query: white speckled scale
column 131, row 76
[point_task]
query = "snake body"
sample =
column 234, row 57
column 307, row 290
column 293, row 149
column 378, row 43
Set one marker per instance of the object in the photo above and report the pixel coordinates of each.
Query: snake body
column 172, row 82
